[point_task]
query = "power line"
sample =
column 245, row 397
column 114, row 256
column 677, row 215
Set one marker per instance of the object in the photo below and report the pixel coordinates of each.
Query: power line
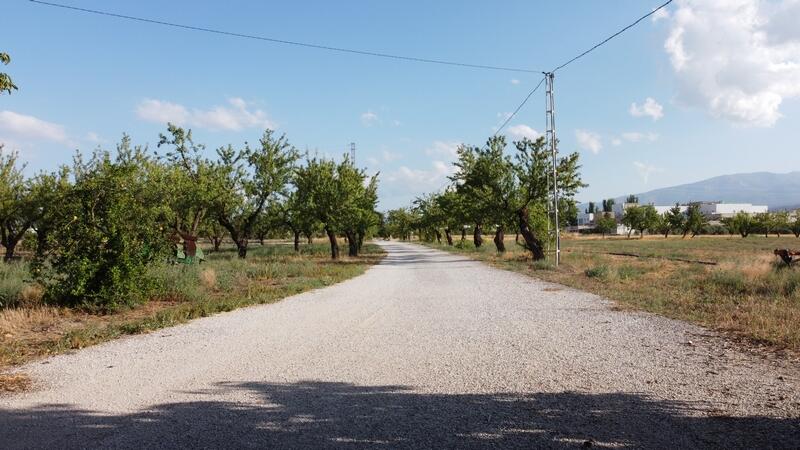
column 546, row 74
column 508, row 119
column 287, row 42
column 613, row 36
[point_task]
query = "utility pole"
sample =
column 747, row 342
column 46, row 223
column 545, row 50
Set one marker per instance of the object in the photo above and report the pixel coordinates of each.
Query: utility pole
column 353, row 153
column 551, row 136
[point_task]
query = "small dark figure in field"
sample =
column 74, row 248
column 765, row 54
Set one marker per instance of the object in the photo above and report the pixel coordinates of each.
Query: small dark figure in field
column 788, row 256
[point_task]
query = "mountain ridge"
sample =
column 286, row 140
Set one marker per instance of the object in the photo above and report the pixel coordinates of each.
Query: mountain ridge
column 776, row 190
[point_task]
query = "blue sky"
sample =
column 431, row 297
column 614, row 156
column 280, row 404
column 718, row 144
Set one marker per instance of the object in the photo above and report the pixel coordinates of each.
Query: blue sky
column 710, row 87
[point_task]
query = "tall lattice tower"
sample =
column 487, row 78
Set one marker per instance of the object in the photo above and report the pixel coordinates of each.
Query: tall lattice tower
column 353, row 153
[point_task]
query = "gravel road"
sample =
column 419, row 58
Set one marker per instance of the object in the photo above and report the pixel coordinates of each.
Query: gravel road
column 426, row 350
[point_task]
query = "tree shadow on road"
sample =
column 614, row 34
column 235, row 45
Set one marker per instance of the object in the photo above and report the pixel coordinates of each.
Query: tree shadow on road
column 339, row 415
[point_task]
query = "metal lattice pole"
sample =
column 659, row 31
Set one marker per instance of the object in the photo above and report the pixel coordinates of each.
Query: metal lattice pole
column 551, row 136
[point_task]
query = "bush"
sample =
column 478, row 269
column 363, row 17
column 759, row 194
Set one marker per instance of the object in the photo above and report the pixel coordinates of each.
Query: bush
column 105, row 234
column 602, row 272
column 12, row 283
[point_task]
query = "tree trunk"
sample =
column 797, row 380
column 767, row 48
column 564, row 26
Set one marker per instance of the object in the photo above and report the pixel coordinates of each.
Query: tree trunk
column 217, row 241
column 499, row 239
column 463, row 234
column 449, row 236
column 666, row 234
column 241, row 247
column 10, row 246
column 310, row 238
column 531, row 243
column 438, row 236
column 477, row 237
column 360, row 240
column 334, row 243
column 352, row 244
column 297, row 241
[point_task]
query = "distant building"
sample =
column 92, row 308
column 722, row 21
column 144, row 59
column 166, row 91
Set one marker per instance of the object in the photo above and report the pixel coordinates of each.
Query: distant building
column 585, row 219
column 719, row 210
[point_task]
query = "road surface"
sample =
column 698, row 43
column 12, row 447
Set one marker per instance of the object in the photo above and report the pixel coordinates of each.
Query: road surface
column 426, row 350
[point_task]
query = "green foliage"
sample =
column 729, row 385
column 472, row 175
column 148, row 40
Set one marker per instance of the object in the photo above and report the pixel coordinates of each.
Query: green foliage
column 6, row 85
column 17, row 206
column 743, row 223
column 674, row 219
column 400, row 223
column 250, row 180
column 605, row 224
column 13, row 279
column 105, row 232
column 601, row 272
column 608, row 205
column 695, row 222
column 795, row 225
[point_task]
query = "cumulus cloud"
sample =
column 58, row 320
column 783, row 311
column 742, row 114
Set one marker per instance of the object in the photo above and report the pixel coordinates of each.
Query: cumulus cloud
column 616, row 142
column 422, row 179
column 650, row 108
column 645, row 170
column 517, row 132
column 235, row 116
column 588, row 140
column 369, row 118
column 390, row 156
column 514, row 81
column 737, row 59
column 22, row 126
column 661, row 14
column 447, row 149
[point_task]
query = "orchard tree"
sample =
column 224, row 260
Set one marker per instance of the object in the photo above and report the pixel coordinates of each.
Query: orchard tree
column 780, row 222
column 6, row 85
column 453, row 209
column 189, row 181
column 251, row 179
column 743, row 223
column 486, row 179
column 633, row 218
column 17, row 208
column 533, row 168
column 47, row 191
column 765, row 222
column 105, row 231
column 400, row 223
column 358, row 198
column 795, row 225
column 673, row 220
column 696, row 222
column 605, row 224
column 431, row 215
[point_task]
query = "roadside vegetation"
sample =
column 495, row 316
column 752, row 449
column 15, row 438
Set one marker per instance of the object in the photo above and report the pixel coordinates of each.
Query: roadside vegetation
column 131, row 240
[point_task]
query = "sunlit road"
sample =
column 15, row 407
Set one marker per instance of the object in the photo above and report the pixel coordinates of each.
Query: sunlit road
column 426, row 350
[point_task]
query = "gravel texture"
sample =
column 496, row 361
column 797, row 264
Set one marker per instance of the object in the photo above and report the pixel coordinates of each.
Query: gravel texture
column 426, row 350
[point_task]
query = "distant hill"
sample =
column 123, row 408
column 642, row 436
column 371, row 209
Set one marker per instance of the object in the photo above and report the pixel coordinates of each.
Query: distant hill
column 776, row 190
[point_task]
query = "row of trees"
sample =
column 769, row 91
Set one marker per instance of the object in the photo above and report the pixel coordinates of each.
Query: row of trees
column 692, row 221
column 97, row 224
column 493, row 190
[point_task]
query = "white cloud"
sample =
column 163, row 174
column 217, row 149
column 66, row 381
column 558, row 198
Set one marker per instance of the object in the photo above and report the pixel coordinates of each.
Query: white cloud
column 645, row 170
column 523, row 131
column 514, row 81
column 649, row 108
column 588, row 140
column 422, row 179
column 635, row 136
column 661, row 14
column 396, row 123
column 22, row 126
column 443, row 149
column 237, row 115
column 616, row 142
column 94, row 138
column 369, row 118
column 737, row 59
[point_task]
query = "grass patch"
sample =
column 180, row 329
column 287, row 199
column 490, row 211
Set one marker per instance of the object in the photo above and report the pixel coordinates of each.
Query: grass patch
column 747, row 292
column 179, row 293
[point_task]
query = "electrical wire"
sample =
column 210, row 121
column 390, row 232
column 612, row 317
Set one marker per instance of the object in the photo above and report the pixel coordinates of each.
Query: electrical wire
column 287, row 42
column 508, row 119
column 612, row 36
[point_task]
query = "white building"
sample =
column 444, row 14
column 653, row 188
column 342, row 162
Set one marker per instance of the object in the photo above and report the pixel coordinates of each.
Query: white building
column 716, row 210
column 585, row 219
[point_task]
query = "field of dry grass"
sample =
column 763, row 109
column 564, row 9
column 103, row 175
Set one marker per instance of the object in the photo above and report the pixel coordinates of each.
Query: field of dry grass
column 32, row 329
column 736, row 286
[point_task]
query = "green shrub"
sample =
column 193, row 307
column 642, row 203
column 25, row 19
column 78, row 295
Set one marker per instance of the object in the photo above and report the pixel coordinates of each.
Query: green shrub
column 627, row 272
column 602, row 272
column 106, row 232
column 12, row 282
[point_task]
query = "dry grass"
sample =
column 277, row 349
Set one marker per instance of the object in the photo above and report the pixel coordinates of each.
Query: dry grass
column 12, row 383
column 208, row 278
column 747, row 293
